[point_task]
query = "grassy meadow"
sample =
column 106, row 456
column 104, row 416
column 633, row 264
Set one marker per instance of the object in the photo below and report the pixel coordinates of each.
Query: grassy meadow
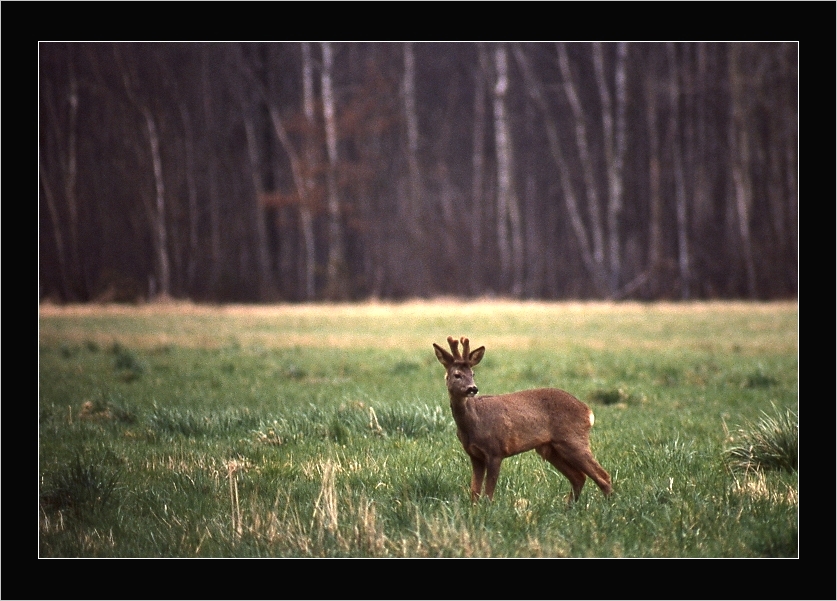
column 177, row 430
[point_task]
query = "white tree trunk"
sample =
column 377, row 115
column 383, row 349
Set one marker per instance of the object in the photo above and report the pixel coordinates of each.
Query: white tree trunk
column 306, row 217
column 414, row 199
column 614, row 149
column 336, row 260
column 478, row 169
column 509, row 228
column 159, row 223
column 156, row 211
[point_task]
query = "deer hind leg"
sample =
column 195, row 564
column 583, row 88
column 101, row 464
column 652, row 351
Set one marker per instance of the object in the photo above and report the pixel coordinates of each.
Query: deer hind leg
column 478, row 467
column 575, row 476
column 583, row 460
column 601, row 477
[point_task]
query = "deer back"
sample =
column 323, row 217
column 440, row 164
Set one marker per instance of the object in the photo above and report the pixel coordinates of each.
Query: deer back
column 507, row 424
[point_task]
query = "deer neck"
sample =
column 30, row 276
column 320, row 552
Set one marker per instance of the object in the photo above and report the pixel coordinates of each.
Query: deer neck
column 462, row 408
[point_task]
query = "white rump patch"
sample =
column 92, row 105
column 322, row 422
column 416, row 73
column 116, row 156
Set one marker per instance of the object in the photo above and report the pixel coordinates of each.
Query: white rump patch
column 592, row 419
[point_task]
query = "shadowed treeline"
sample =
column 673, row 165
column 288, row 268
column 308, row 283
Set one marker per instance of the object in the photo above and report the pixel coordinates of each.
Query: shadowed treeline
column 309, row 171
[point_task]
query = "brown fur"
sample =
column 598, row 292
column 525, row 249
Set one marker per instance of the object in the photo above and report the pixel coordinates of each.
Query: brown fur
column 552, row 422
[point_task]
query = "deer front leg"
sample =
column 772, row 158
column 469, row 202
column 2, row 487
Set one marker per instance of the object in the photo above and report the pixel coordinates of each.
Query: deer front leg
column 492, row 466
column 478, row 467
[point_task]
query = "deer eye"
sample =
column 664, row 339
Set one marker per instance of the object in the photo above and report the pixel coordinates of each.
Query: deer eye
column 457, row 375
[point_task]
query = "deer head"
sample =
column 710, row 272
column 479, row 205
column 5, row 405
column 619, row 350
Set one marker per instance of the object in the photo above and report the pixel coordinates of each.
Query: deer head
column 459, row 373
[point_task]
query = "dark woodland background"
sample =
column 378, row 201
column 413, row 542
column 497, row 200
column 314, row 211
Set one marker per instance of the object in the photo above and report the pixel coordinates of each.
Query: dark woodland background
column 261, row 172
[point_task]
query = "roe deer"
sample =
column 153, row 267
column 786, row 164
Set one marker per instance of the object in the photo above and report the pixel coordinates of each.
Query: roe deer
column 491, row 428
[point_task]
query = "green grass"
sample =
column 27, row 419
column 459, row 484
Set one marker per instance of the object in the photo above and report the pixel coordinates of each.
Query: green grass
column 770, row 444
column 324, row 431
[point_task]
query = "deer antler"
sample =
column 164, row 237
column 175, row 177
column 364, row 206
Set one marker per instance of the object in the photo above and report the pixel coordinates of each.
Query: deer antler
column 454, row 347
column 466, row 347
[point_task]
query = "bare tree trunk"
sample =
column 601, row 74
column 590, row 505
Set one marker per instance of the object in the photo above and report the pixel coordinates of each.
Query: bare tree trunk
column 266, row 285
column 211, row 175
column 335, row 269
column 161, row 285
column 655, row 234
column 160, row 229
column 740, row 149
column 535, row 90
column 614, row 149
column 533, row 209
column 411, row 202
column 775, row 192
column 71, row 175
column 192, row 192
column 306, row 217
column 584, row 155
column 411, row 117
column 301, row 177
column 284, row 139
column 508, row 208
column 786, row 145
column 69, row 259
column 790, row 167
column 619, row 160
column 701, row 207
column 258, row 225
column 52, row 207
column 478, row 169
column 679, row 182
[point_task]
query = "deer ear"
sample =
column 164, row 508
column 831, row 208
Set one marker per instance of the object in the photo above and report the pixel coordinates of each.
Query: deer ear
column 444, row 357
column 476, row 356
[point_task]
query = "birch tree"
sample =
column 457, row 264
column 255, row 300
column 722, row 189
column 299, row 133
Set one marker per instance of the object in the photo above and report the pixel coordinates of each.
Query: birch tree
column 306, row 213
column 156, row 209
column 478, row 192
column 335, row 269
column 509, row 228
column 614, row 132
column 414, row 195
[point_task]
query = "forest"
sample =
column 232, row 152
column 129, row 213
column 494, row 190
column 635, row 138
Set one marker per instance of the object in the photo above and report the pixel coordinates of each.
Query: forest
column 291, row 172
